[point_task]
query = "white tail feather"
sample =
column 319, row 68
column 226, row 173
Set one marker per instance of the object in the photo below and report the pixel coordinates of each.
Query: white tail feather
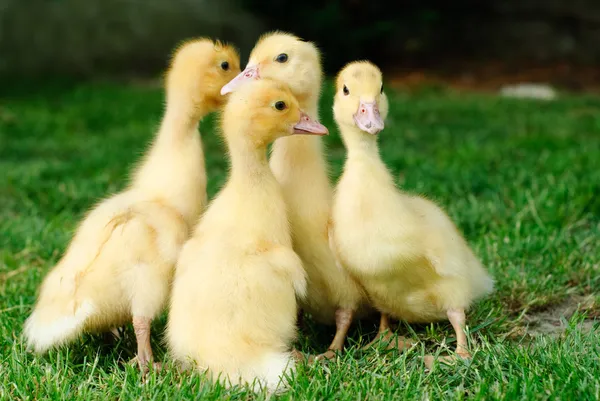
column 42, row 336
column 273, row 369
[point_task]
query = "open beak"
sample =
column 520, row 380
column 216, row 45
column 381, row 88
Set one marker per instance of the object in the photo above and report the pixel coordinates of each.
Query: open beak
column 368, row 119
column 250, row 73
column 308, row 126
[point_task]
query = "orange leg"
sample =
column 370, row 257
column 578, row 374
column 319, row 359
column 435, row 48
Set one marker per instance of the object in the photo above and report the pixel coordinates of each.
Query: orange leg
column 141, row 326
column 343, row 320
column 458, row 321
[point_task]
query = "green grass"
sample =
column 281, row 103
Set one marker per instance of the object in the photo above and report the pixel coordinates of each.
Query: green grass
column 521, row 179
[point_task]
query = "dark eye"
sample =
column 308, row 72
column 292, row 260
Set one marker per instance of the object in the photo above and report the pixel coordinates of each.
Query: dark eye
column 282, row 58
column 346, row 91
column 381, row 88
column 280, row 105
column 225, row 65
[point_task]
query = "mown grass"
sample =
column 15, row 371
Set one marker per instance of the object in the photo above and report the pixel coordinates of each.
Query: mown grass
column 521, row 179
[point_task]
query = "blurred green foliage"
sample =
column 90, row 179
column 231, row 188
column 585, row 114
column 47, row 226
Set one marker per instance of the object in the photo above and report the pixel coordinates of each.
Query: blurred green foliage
column 133, row 37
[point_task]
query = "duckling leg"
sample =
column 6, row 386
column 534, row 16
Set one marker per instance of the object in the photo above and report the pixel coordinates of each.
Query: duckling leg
column 343, row 320
column 458, row 321
column 385, row 335
column 149, row 292
column 141, row 326
column 115, row 333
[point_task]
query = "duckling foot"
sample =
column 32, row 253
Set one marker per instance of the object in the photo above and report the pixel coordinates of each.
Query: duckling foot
column 141, row 326
column 391, row 341
column 429, row 360
column 386, row 337
column 457, row 319
column 145, row 365
column 301, row 357
column 328, row 355
column 117, row 332
column 343, row 320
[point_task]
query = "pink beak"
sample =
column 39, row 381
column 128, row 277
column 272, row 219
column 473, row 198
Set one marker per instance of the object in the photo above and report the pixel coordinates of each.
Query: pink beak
column 308, row 126
column 368, row 119
column 248, row 74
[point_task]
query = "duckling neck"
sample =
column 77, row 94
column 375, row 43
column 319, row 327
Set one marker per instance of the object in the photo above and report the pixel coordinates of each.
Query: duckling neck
column 363, row 155
column 180, row 123
column 249, row 162
column 363, row 163
column 359, row 144
column 173, row 169
column 255, row 197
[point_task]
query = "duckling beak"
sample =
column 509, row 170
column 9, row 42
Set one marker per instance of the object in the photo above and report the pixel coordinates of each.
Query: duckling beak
column 250, row 73
column 368, row 119
column 308, row 126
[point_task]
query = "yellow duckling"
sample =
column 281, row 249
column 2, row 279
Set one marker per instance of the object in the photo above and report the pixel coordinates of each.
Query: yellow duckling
column 120, row 263
column 233, row 309
column 300, row 167
column 405, row 251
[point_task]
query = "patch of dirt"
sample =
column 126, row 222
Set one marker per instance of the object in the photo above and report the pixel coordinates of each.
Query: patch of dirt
column 493, row 75
column 553, row 321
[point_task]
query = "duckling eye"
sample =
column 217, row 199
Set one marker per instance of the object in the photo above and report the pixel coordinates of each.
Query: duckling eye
column 381, row 89
column 225, row 65
column 280, row 105
column 346, row 91
column 282, row 58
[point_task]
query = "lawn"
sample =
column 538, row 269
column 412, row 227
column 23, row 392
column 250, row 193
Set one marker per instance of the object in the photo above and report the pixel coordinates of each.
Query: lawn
column 520, row 178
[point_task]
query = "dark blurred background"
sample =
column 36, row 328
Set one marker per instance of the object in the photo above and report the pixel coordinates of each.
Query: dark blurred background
column 559, row 39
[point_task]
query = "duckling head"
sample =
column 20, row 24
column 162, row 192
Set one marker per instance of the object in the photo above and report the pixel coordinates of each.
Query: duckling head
column 264, row 110
column 283, row 57
column 199, row 69
column 359, row 98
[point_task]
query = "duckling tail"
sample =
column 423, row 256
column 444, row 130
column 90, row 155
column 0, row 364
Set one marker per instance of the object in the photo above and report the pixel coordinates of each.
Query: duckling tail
column 50, row 326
